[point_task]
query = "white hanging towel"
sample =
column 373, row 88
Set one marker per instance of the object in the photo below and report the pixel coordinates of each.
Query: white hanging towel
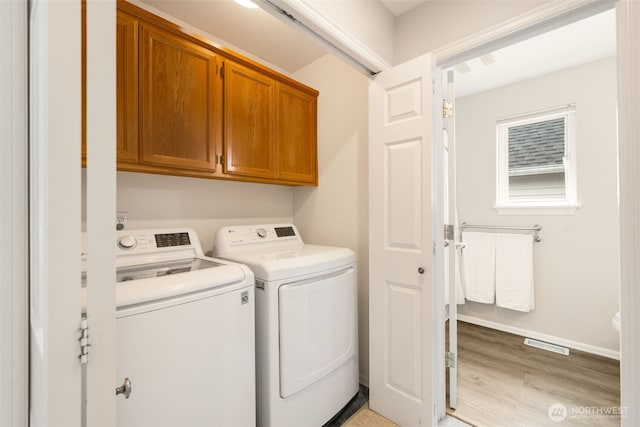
column 514, row 271
column 479, row 266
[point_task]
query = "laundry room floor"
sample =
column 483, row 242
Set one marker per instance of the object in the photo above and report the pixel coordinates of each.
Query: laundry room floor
column 358, row 414
column 502, row 382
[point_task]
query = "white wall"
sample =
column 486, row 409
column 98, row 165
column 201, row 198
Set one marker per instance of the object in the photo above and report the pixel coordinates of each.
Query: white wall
column 437, row 23
column 336, row 212
column 202, row 204
column 576, row 264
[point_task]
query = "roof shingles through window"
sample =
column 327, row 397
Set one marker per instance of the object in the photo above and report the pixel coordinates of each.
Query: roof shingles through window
column 537, row 144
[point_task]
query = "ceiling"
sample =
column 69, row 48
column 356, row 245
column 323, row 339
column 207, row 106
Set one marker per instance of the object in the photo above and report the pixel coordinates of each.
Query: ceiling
column 252, row 32
column 582, row 42
column 255, row 32
column 398, row 7
column 258, row 34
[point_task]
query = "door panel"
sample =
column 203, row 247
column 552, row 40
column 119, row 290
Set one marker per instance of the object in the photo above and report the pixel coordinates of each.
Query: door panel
column 402, row 339
column 400, row 117
column 403, row 223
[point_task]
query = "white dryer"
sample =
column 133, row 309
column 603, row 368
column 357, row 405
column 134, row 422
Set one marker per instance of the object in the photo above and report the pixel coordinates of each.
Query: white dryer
column 306, row 322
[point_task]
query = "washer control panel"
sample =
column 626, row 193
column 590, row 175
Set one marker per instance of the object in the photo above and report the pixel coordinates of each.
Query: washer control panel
column 151, row 245
column 155, row 241
column 146, row 240
column 255, row 235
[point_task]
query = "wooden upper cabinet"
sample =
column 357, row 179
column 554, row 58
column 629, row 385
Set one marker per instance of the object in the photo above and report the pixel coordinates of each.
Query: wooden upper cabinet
column 185, row 106
column 178, row 116
column 127, row 88
column 297, row 135
column 249, row 122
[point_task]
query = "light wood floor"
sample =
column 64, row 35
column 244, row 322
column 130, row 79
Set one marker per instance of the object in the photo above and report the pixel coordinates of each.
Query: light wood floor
column 502, row 382
column 365, row 417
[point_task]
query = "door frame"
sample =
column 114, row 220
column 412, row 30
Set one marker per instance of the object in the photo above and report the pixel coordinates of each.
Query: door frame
column 54, row 212
column 14, row 270
column 537, row 21
column 57, row 199
column 99, row 198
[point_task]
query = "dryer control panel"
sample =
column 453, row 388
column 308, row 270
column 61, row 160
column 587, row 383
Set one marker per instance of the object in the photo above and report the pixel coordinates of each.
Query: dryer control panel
column 244, row 237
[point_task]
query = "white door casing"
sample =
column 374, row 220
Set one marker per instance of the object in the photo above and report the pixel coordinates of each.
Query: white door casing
column 401, row 242
column 55, row 222
column 100, row 202
column 628, row 56
column 14, row 263
column 55, row 207
column 452, row 250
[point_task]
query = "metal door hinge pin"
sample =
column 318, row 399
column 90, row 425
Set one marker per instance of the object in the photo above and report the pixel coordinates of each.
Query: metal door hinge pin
column 84, row 341
column 450, row 359
column 447, row 109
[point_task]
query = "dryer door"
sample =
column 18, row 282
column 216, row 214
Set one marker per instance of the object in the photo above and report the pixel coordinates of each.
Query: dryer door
column 318, row 328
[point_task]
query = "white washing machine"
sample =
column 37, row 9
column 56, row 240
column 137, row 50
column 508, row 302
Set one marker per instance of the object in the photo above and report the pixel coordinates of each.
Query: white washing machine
column 306, row 322
column 185, row 333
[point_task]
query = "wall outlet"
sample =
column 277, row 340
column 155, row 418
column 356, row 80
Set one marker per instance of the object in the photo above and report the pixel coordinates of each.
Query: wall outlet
column 121, row 220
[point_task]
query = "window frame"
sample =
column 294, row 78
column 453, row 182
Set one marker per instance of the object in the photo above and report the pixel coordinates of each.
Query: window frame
column 565, row 206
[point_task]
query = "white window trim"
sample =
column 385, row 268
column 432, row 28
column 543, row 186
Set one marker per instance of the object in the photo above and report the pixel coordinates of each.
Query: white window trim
column 566, row 206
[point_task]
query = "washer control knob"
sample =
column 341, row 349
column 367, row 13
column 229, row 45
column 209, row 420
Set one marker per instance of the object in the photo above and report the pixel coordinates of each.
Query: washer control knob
column 262, row 233
column 127, row 242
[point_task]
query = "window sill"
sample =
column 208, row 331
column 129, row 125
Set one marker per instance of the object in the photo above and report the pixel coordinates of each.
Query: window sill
column 537, row 209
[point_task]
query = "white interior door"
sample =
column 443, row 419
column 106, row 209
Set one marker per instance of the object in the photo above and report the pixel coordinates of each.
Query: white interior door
column 401, row 243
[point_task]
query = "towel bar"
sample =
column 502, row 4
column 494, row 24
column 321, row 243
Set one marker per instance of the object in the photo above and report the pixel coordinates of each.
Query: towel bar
column 536, row 229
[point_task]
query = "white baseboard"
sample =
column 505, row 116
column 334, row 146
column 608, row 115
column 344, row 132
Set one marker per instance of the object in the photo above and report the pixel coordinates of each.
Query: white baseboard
column 587, row 348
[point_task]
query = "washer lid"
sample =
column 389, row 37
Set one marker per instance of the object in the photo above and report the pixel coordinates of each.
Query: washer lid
column 293, row 261
column 205, row 275
column 159, row 269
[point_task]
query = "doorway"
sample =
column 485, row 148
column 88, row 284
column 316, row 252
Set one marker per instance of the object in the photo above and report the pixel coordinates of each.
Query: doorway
column 572, row 306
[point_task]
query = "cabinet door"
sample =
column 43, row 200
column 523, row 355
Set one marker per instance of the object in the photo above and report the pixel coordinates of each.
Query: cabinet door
column 249, row 122
column 178, row 117
column 127, row 88
column 297, row 135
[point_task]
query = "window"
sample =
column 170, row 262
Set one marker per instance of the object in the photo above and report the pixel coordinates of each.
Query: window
column 536, row 162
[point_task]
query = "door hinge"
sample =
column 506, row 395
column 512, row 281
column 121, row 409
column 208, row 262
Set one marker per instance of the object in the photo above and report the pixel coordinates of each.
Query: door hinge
column 84, row 341
column 222, row 71
column 447, row 109
column 450, row 359
column 449, row 232
column 221, row 160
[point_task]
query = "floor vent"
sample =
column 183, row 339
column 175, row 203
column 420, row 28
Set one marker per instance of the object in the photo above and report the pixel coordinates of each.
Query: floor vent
column 546, row 346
